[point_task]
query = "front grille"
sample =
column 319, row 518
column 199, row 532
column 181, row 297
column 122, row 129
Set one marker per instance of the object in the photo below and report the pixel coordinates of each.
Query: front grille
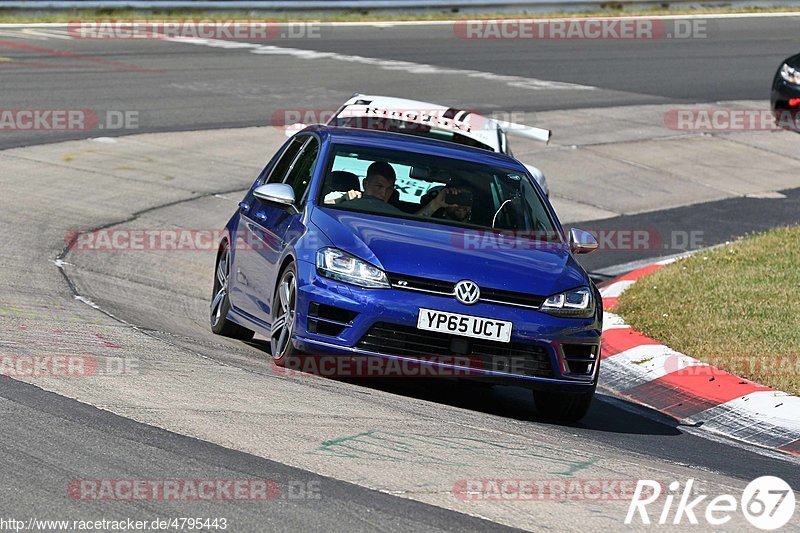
column 328, row 320
column 580, row 358
column 446, row 288
column 406, row 341
column 413, row 283
column 512, row 298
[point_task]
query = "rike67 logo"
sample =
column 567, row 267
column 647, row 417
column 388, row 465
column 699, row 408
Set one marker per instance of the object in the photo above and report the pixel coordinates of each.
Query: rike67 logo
column 767, row 502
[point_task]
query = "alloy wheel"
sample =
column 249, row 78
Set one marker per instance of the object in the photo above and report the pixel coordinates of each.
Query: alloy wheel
column 283, row 315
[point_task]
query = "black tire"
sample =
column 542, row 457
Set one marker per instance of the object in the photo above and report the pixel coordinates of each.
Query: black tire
column 561, row 406
column 284, row 311
column 220, row 305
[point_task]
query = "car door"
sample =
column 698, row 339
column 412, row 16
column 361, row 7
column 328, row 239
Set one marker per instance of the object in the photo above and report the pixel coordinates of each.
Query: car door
column 241, row 285
column 267, row 228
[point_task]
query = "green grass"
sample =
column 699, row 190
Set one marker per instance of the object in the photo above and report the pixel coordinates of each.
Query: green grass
column 736, row 307
column 9, row 16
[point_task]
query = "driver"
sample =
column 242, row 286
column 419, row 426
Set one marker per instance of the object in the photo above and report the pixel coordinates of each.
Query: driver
column 378, row 188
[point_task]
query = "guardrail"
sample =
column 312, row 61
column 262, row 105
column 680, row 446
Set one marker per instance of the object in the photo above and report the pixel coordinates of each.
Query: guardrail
column 257, row 4
column 355, row 5
column 324, row 5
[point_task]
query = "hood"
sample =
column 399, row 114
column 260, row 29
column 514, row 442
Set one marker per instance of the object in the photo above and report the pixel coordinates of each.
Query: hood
column 451, row 254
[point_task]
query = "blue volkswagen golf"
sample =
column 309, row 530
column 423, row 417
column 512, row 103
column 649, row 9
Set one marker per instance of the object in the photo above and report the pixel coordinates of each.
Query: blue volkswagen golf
column 378, row 245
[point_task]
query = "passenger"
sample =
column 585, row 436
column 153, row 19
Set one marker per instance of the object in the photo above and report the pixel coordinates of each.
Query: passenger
column 461, row 208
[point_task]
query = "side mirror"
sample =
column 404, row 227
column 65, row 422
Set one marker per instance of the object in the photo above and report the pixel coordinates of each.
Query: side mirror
column 276, row 193
column 581, row 242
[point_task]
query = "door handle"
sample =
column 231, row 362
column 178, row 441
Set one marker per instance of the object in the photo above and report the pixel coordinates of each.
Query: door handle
column 260, row 216
column 244, row 207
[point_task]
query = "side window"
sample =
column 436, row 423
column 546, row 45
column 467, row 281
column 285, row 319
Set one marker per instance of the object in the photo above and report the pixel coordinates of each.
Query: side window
column 300, row 175
column 285, row 162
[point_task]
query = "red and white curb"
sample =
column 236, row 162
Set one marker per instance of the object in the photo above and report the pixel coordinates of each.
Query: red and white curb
column 640, row 369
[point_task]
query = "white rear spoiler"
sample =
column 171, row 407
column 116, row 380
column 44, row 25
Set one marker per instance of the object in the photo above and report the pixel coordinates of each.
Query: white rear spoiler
column 530, row 132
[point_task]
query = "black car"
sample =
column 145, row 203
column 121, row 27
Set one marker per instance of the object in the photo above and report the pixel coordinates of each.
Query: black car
column 786, row 89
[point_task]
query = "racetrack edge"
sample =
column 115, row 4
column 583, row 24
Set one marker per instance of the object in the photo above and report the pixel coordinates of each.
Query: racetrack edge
column 642, row 370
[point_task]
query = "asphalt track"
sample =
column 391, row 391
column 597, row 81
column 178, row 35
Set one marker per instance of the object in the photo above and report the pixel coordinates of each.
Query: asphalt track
column 196, row 87
column 79, row 437
column 224, row 412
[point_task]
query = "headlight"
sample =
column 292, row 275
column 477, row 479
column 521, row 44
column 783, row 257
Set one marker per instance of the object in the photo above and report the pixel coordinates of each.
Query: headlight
column 336, row 264
column 574, row 303
column 790, row 75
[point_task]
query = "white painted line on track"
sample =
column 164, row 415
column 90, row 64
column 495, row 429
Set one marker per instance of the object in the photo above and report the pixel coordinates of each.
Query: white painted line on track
column 519, row 82
column 390, row 23
column 566, row 16
column 47, row 34
column 21, row 35
column 388, row 64
column 624, row 268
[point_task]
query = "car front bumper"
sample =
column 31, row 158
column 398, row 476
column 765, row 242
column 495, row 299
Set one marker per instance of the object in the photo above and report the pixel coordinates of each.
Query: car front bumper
column 546, row 352
column 782, row 92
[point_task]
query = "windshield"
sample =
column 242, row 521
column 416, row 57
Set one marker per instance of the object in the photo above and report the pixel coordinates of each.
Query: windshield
column 436, row 189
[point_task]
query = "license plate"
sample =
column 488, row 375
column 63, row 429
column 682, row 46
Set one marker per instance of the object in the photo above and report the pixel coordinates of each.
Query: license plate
column 465, row 325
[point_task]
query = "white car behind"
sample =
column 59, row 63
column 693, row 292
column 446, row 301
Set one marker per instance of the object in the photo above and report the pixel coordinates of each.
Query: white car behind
column 436, row 121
